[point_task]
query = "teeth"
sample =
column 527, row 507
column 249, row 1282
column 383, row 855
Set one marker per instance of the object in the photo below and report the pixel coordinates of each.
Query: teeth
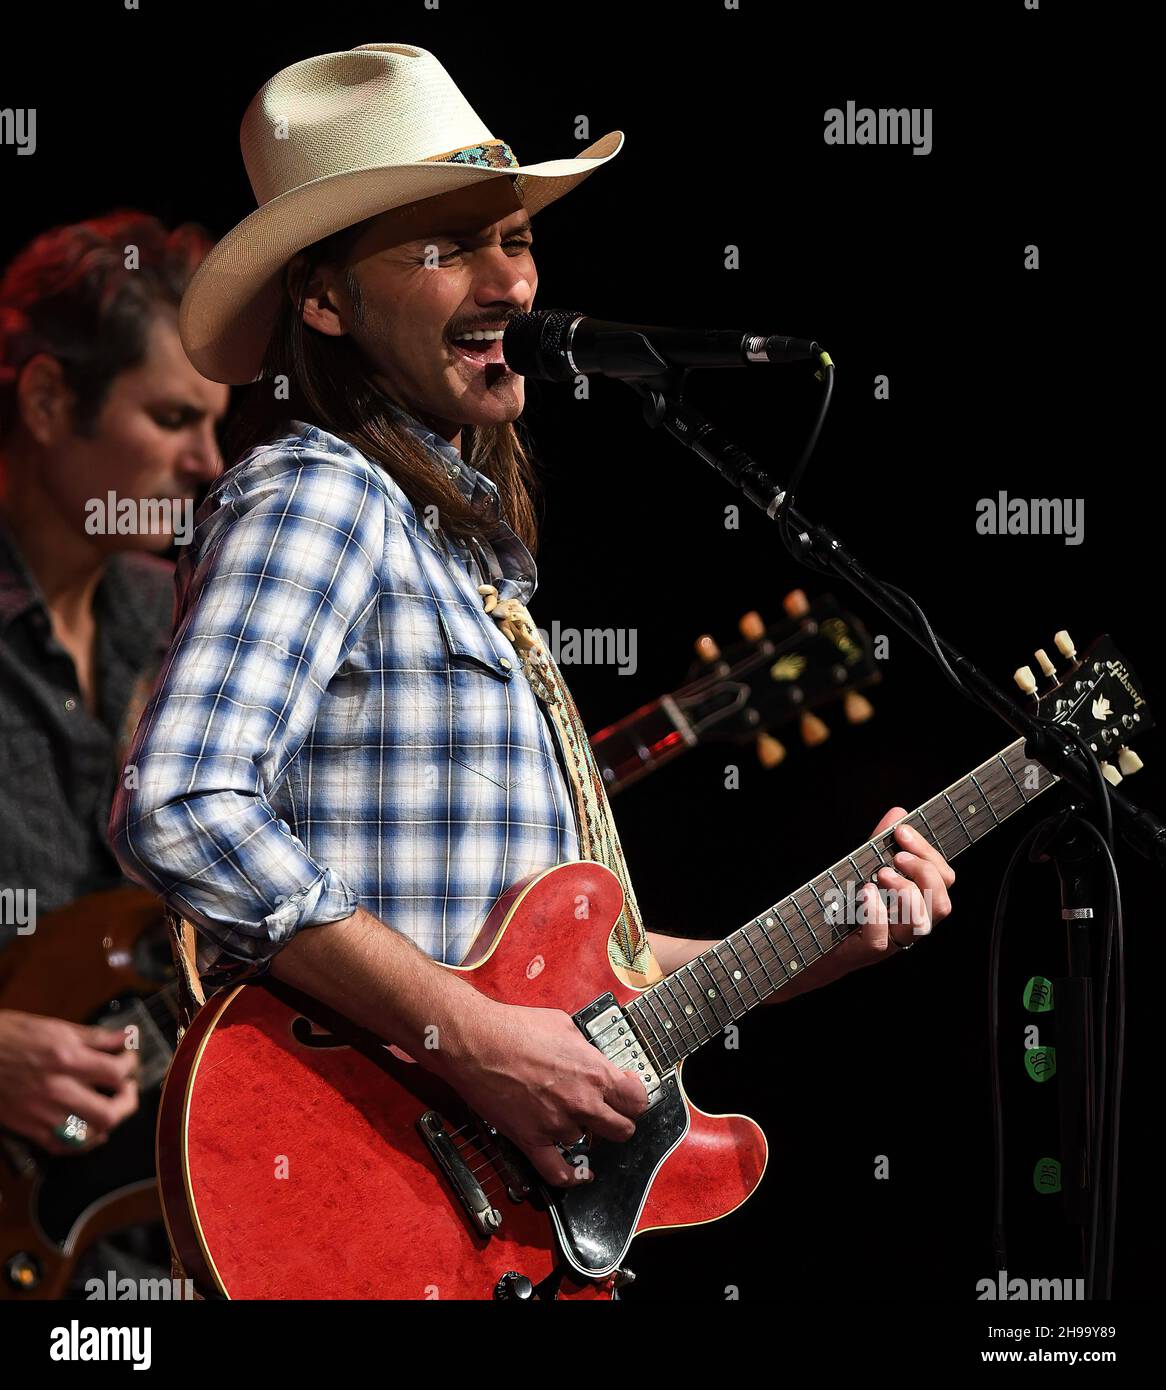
column 481, row 335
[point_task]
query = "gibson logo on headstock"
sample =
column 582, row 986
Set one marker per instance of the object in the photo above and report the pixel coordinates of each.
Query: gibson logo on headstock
column 1118, row 671
column 838, row 633
column 788, row 667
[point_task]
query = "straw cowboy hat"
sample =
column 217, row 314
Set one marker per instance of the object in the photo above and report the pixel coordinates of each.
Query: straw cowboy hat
column 327, row 143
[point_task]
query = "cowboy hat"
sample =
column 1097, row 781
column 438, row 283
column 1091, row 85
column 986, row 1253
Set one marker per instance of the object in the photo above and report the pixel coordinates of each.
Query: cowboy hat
column 327, row 143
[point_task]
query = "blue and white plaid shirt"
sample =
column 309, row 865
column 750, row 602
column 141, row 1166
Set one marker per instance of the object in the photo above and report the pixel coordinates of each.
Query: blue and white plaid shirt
column 338, row 721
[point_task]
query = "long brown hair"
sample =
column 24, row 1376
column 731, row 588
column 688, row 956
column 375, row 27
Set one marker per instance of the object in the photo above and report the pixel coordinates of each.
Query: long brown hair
column 329, row 384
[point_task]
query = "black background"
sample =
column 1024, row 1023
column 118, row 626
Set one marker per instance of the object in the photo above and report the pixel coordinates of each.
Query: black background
column 901, row 265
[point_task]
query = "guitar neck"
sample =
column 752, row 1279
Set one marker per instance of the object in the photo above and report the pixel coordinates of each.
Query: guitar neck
column 645, row 740
column 695, row 1003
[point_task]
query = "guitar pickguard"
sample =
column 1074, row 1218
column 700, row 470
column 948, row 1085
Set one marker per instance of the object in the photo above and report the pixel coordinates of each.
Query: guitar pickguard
column 595, row 1221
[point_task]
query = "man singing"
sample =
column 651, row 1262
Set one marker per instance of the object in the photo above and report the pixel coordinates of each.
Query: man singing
column 343, row 765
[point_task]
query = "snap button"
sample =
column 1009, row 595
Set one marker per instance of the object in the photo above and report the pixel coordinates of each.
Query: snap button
column 70, row 704
column 504, row 663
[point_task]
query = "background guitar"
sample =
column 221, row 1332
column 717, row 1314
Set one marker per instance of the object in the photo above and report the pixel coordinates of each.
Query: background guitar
column 104, row 959
column 818, row 655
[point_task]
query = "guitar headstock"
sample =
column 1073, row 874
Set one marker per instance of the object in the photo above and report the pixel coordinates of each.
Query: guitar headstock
column 818, row 654
column 1097, row 695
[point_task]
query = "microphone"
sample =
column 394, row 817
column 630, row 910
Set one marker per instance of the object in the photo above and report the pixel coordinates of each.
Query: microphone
column 558, row 345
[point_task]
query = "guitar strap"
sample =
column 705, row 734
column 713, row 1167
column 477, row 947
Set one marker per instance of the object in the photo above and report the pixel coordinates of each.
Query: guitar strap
column 184, row 949
column 629, row 950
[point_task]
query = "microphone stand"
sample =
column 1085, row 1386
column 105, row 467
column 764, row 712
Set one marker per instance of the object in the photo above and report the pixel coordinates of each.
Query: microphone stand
column 819, row 547
column 1079, row 1029
column 1081, row 1121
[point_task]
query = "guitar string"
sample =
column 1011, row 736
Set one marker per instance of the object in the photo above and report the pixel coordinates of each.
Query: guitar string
column 992, row 778
column 943, row 823
column 801, row 936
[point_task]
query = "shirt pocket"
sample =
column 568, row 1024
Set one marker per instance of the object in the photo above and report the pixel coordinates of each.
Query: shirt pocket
column 496, row 728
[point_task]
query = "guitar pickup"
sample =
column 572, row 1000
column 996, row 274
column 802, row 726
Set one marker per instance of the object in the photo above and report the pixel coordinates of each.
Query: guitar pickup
column 605, row 1025
column 483, row 1215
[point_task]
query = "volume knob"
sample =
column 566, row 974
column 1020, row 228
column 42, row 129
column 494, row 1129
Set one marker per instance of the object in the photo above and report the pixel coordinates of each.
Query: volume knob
column 513, row 1285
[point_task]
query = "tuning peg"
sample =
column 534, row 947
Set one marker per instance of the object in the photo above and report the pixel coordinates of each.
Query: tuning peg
column 1046, row 666
column 1128, row 761
column 814, row 731
column 1110, row 773
column 707, row 649
column 796, row 604
column 751, row 626
column 1025, row 679
column 1064, row 644
column 857, row 708
column 770, row 751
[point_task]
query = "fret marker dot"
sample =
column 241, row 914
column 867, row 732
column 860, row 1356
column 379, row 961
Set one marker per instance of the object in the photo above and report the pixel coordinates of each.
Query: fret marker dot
column 736, row 974
column 793, row 965
column 972, row 809
column 769, row 921
column 667, row 1023
column 688, row 1008
column 712, row 994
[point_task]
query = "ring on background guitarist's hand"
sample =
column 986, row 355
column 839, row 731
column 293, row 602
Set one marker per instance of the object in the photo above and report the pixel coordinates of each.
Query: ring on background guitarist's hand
column 52, row 1071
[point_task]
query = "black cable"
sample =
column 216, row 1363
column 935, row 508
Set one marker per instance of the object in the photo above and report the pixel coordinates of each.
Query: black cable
column 999, row 1241
column 1115, row 935
column 799, row 468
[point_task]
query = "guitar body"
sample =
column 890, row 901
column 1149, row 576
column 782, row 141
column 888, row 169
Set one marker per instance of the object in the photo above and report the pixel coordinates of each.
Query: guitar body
column 93, row 961
column 292, row 1164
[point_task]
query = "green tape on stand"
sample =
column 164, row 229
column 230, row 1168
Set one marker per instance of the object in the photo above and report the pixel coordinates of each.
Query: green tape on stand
column 1046, row 1176
column 1041, row 1063
column 1038, row 995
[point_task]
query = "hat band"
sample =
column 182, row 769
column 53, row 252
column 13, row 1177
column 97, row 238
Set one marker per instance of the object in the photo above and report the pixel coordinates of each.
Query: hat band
column 490, row 154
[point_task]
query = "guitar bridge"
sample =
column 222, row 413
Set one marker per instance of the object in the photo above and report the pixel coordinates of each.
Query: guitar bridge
column 483, row 1215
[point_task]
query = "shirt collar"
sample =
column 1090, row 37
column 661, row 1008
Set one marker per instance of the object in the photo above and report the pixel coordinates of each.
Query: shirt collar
column 519, row 573
column 475, row 487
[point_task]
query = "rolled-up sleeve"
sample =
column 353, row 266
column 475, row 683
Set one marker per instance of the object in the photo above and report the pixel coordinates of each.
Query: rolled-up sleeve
column 286, row 577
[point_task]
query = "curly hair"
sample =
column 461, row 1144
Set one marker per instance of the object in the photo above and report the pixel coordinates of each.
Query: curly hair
column 85, row 294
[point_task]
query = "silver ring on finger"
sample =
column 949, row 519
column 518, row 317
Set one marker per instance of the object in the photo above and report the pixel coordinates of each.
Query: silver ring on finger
column 73, row 1130
column 565, row 1149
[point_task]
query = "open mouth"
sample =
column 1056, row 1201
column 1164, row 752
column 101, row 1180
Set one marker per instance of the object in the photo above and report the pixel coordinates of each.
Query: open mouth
column 481, row 348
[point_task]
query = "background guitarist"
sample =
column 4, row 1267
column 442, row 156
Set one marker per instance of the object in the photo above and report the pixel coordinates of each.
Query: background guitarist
column 340, row 740
column 96, row 395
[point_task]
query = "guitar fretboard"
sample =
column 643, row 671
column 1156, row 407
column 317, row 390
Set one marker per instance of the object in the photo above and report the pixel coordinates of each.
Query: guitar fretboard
column 695, row 1003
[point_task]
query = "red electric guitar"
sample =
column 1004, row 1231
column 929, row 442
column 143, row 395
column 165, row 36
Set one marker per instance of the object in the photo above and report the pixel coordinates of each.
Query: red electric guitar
column 299, row 1158
column 106, row 958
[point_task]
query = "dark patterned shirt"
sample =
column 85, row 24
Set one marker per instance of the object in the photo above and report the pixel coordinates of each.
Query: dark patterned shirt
column 58, row 762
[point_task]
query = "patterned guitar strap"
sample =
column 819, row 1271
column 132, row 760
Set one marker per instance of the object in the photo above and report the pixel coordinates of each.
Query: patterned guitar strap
column 628, row 949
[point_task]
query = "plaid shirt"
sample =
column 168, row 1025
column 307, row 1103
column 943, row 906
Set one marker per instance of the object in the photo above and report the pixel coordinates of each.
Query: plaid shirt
column 338, row 721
